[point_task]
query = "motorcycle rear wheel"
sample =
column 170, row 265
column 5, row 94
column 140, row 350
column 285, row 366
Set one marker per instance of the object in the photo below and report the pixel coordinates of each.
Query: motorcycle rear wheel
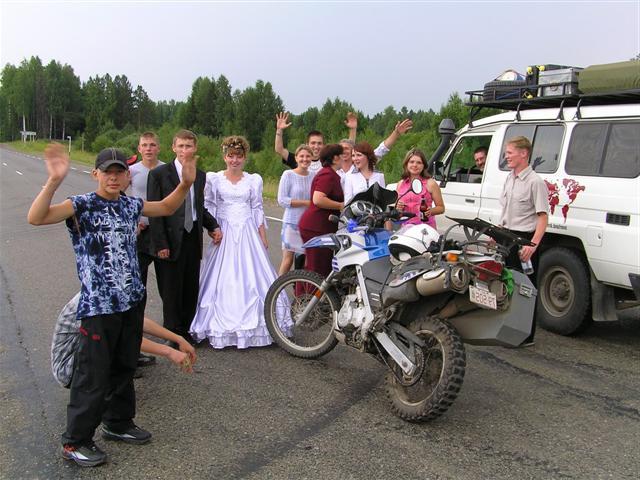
column 440, row 379
column 286, row 299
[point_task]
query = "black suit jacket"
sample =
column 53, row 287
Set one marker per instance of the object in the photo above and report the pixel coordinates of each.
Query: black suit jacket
column 166, row 232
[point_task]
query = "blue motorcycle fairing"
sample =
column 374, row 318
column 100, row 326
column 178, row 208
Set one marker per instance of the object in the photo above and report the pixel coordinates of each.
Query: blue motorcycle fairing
column 377, row 243
column 328, row 240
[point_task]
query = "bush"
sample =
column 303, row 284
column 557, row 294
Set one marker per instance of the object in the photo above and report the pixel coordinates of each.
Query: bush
column 106, row 139
column 210, row 154
column 128, row 144
column 267, row 163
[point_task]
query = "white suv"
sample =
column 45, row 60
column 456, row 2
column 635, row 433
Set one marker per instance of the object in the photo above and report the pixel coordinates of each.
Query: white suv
column 589, row 156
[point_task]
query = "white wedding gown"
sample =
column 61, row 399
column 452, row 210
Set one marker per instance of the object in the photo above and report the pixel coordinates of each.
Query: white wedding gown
column 236, row 274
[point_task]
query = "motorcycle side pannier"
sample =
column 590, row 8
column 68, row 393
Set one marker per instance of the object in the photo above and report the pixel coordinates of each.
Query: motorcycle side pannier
column 501, row 328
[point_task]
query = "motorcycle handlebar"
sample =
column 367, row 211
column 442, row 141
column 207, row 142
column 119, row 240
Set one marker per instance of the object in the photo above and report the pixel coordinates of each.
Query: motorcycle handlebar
column 371, row 220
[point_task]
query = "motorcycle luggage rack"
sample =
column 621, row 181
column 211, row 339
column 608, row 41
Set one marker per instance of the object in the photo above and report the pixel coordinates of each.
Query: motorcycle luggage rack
column 476, row 228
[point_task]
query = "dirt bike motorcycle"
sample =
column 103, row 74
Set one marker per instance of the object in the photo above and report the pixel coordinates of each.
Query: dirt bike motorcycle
column 411, row 299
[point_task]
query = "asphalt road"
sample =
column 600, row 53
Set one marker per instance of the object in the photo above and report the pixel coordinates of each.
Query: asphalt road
column 565, row 408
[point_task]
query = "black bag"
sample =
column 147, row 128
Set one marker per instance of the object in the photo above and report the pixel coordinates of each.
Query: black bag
column 504, row 90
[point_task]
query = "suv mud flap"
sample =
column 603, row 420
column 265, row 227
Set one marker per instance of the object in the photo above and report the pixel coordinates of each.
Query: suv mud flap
column 635, row 284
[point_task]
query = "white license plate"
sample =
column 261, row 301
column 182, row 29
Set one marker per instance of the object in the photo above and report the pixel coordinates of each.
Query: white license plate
column 483, row 297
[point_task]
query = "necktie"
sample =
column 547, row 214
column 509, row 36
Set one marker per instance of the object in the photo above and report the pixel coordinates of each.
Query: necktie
column 188, row 215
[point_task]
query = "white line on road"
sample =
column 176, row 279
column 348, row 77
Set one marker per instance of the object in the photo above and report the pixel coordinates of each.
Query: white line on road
column 85, row 171
column 74, row 168
column 18, row 172
column 274, row 218
column 4, row 164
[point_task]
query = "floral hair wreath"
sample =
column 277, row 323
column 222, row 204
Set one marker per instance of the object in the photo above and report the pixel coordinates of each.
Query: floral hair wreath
column 238, row 144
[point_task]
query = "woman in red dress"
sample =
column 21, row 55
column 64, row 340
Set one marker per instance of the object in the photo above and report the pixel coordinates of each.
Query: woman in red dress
column 327, row 198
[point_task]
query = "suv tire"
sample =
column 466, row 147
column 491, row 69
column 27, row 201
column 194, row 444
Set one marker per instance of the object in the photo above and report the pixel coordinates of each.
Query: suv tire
column 564, row 292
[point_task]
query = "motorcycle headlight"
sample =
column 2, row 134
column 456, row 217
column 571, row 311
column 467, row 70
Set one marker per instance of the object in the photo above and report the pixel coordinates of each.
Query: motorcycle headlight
column 345, row 242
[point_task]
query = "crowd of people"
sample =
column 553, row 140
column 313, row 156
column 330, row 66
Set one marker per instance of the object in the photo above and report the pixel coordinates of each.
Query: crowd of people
column 214, row 292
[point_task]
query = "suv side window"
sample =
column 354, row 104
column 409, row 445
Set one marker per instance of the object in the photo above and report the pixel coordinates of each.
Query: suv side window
column 546, row 141
column 605, row 149
column 462, row 166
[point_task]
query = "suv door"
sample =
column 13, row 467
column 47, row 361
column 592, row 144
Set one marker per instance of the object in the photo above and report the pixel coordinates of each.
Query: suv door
column 460, row 180
column 546, row 139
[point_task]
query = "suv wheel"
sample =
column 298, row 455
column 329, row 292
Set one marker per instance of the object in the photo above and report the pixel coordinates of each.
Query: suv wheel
column 564, row 293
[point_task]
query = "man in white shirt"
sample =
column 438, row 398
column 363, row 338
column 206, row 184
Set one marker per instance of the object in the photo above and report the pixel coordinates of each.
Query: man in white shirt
column 525, row 209
column 149, row 148
column 177, row 239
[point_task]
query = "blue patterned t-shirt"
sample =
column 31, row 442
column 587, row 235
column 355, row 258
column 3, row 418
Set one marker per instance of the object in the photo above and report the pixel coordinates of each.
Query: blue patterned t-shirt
column 104, row 241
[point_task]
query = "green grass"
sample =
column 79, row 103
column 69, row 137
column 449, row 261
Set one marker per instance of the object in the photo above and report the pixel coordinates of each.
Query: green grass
column 37, row 148
column 270, row 189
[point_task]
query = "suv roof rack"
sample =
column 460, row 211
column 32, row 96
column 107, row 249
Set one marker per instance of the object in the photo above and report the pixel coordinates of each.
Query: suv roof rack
column 477, row 103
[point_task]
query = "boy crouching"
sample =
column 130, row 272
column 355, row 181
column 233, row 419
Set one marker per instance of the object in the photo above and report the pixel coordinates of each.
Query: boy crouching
column 102, row 225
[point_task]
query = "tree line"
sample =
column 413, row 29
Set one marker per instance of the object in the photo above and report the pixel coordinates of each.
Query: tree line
column 106, row 110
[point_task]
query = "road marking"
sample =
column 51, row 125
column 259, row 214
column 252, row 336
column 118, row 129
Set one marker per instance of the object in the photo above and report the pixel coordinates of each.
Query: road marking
column 18, row 172
column 74, row 168
column 274, row 218
column 4, row 164
column 85, row 171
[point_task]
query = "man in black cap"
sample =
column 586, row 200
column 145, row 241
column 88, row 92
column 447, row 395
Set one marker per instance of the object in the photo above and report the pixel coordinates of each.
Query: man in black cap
column 102, row 226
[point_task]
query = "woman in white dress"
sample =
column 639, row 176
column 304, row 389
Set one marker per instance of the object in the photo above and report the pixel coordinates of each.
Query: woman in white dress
column 364, row 159
column 236, row 273
column 294, row 196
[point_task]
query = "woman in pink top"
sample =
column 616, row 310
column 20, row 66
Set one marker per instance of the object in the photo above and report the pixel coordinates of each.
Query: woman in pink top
column 414, row 166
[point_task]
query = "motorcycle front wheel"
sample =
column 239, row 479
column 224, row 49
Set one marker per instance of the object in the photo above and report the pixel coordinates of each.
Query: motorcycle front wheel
column 286, row 299
column 441, row 372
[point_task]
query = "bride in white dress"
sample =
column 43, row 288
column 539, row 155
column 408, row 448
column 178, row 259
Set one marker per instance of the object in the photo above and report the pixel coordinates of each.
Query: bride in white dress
column 235, row 274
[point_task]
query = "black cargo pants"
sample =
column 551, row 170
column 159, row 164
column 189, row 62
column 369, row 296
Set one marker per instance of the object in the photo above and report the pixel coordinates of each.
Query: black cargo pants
column 102, row 383
column 513, row 262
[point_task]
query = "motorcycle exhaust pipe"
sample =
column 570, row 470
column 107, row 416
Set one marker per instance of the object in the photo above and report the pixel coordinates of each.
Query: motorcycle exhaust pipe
column 435, row 281
column 431, row 283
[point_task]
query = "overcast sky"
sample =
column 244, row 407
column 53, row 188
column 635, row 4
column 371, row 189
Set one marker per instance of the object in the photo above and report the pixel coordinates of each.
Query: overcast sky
column 372, row 54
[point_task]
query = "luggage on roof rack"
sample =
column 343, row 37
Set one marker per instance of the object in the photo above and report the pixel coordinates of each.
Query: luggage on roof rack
column 561, row 81
column 505, row 90
column 553, row 85
column 533, row 71
column 610, row 77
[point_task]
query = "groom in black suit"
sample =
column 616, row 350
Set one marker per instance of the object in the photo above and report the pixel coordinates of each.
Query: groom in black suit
column 177, row 239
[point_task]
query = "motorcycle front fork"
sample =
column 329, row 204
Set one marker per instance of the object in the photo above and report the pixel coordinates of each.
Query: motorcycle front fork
column 324, row 286
column 387, row 343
